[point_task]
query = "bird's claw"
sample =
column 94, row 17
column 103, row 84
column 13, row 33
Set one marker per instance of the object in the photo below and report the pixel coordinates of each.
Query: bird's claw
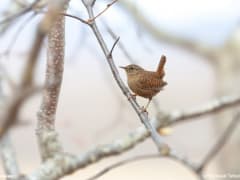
column 144, row 110
column 132, row 96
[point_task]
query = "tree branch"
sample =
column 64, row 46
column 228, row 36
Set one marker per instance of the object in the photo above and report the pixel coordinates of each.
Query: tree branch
column 128, row 56
column 162, row 147
column 104, row 10
column 116, row 147
column 179, row 116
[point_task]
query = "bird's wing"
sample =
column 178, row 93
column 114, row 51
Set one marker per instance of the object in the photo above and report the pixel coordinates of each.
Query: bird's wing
column 155, row 84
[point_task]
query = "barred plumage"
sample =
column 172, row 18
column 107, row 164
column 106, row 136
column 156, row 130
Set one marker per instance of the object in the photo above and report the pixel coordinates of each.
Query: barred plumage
column 146, row 83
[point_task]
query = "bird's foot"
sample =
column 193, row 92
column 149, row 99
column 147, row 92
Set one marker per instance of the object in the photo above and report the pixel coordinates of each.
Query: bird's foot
column 144, row 110
column 132, row 96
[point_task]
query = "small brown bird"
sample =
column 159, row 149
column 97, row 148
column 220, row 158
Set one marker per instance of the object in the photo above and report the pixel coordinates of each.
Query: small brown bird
column 146, row 83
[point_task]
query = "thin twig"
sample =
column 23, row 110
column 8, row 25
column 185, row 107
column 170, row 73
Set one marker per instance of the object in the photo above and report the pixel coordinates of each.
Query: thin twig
column 114, row 44
column 16, row 35
column 220, row 143
column 27, row 77
column 122, row 163
column 130, row 160
column 199, row 48
column 74, row 17
column 104, row 10
column 120, row 44
column 127, row 55
column 67, row 15
column 9, row 118
column 219, row 104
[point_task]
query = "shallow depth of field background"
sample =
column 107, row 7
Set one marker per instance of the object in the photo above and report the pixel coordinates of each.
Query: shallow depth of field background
column 92, row 109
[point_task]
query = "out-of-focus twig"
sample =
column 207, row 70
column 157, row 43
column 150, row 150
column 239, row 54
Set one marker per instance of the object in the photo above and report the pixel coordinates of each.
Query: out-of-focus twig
column 103, row 11
column 219, row 104
column 127, row 161
column 19, row 14
column 9, row 117
column 7, row 152
column 199, row 48
column 16, row 35
column 42, row 30
column 220, row 143
column 122, row 163
column 120, row 44
column 8, row 158
column 26, row 84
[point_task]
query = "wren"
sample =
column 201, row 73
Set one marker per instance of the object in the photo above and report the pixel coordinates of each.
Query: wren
column 146, row 83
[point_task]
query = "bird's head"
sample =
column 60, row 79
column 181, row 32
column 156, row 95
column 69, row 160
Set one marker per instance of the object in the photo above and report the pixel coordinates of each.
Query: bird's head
column 132, row 69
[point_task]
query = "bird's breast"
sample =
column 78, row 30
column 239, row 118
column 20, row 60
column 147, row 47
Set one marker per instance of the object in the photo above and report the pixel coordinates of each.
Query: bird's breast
column 146, row 85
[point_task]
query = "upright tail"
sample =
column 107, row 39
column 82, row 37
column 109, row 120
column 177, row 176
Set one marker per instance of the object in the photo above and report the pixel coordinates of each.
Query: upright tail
column 160, row 69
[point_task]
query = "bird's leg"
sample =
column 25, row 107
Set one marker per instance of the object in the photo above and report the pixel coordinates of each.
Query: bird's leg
column 132, row 96
column 144, row 109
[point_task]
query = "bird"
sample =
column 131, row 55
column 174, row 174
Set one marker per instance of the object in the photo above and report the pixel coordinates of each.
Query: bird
column 145, row 83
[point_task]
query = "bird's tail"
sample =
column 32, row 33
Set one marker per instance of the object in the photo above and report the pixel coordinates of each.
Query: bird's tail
column 160, row 69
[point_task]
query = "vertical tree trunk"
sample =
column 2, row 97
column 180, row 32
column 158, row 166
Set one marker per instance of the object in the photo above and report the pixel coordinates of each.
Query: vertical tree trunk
column 47, row 137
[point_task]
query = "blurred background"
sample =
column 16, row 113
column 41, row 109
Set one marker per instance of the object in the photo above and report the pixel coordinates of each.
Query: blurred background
column 201, row 40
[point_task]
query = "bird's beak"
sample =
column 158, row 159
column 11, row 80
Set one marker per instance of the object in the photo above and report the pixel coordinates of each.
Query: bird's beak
column 122, row 67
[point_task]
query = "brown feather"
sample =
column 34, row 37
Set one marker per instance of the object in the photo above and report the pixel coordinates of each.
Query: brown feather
column 146, row 84
column 160, row 69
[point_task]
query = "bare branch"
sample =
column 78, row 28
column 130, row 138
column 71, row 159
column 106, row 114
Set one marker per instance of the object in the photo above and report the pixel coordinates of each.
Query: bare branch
column 75, row 17
column 128, row 56
column 130, row 160
column 122, row 163
column 9, row 117
column 220, row 143
column 120, row 44
column 16, row 35
column 104, row 10
column 118, row 146
column 8, row 158
column 216, row 105
column 114, row 44
column 19, row 14
column 196, row 47
column 72, row 163
column 68, row 15
column 162, row 147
